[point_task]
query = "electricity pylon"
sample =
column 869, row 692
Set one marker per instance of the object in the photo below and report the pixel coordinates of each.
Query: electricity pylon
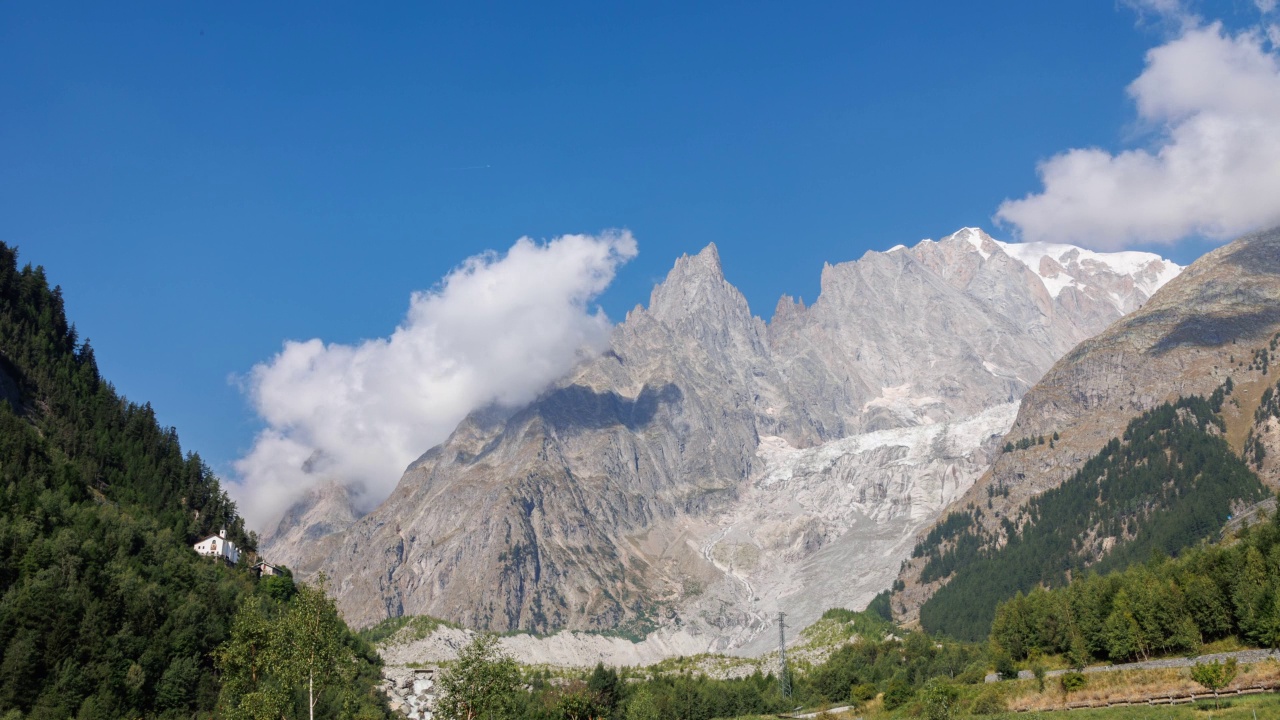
column 785, row 678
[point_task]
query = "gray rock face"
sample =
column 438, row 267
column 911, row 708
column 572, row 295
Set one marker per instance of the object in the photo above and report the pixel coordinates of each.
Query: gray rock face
column 711, row 469
column 1206, row 325
column 325, row 510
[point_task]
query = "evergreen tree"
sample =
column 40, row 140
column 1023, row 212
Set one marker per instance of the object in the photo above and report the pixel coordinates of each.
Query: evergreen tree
column 604, row 684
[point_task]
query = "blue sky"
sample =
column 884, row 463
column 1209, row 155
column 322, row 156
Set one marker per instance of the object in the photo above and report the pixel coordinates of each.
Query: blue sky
column 207, row 180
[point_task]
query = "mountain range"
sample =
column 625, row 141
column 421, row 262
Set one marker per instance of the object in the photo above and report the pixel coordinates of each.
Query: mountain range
column 711, row 469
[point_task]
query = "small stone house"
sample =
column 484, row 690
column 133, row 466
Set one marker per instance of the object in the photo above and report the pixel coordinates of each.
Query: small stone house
column 219, row 546
column 265, row 568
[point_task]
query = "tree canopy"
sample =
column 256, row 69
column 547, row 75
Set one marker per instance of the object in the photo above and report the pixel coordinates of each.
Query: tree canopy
column 105, row 609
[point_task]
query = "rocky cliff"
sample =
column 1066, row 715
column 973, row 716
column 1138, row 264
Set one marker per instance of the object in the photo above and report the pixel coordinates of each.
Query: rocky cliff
column 1218, row 319
column 711, row 469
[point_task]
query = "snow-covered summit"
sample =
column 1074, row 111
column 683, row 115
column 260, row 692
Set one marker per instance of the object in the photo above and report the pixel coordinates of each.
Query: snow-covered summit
column 1116, row 275
column 1148, row 270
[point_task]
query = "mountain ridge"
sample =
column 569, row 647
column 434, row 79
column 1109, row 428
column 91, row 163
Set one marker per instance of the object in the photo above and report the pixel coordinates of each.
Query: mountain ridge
column 1193, row 335
column 609, row 501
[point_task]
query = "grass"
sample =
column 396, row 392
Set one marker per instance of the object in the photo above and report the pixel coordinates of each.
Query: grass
column 1135, row 685
column 710, row 664
column 418, row 627
column 839, row 625
column 1241, row 708
column 1022, row 695
column 1266, row 707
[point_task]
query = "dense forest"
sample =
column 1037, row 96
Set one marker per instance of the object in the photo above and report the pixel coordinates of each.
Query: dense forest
column 105, row 609
column 1168, row 483
column 1163, row 606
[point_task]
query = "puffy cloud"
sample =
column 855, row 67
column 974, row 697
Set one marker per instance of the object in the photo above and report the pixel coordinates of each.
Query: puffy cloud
column 497, row 329
column 1213, row 98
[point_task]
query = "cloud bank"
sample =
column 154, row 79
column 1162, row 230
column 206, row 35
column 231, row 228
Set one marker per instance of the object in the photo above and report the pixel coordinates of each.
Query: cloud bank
column 497, row 329
column 1213, row 99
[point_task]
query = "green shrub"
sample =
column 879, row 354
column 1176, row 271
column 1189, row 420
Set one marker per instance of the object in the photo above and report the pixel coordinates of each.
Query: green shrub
column 1005, row 667
column 1073, row 681
column 988, row 702
column 839, row 614
column 898, row 693
column 862, row 693
column 974, row 674
column 940, row 699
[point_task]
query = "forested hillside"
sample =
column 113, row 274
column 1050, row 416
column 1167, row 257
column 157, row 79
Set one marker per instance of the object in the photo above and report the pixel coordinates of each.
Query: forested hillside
column 1163, row 606
column 105, row 609
column 1168, row 483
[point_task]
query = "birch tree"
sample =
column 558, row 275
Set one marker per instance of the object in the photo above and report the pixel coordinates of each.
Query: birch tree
column 312, row 650
column 481, row 684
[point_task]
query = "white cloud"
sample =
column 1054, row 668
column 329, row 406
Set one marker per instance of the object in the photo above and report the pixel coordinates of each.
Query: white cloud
column 498, row 329
column 1213, row 99
column 1173, row 13
column 1166, row 8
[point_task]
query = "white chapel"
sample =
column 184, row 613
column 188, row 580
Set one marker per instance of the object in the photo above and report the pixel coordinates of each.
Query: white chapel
column 219, row 546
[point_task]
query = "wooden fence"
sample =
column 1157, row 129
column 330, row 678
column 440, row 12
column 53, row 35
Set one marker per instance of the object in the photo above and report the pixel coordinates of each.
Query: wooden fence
column 1166, row 699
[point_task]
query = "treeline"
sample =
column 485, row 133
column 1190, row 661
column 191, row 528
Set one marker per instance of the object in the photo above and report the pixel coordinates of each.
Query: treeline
column 1028, row 442
column 105, row 609
column 1261, row 359
column 1164, row 606
column 945, row 530
column 1167, row 484
column 1268, row 407
column 112, row 448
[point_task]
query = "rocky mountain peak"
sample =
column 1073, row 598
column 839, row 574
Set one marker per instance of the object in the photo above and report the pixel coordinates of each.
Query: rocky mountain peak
column 696, row 291
column 326, row 508
column 787, row 308
column 976, row 238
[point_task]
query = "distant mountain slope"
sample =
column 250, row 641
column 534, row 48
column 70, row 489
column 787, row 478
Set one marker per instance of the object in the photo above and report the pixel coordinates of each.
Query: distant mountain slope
column 714, row 468
column 1163, row 606
column 105, row 609
column 1217, row 320
column 1170, row 482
